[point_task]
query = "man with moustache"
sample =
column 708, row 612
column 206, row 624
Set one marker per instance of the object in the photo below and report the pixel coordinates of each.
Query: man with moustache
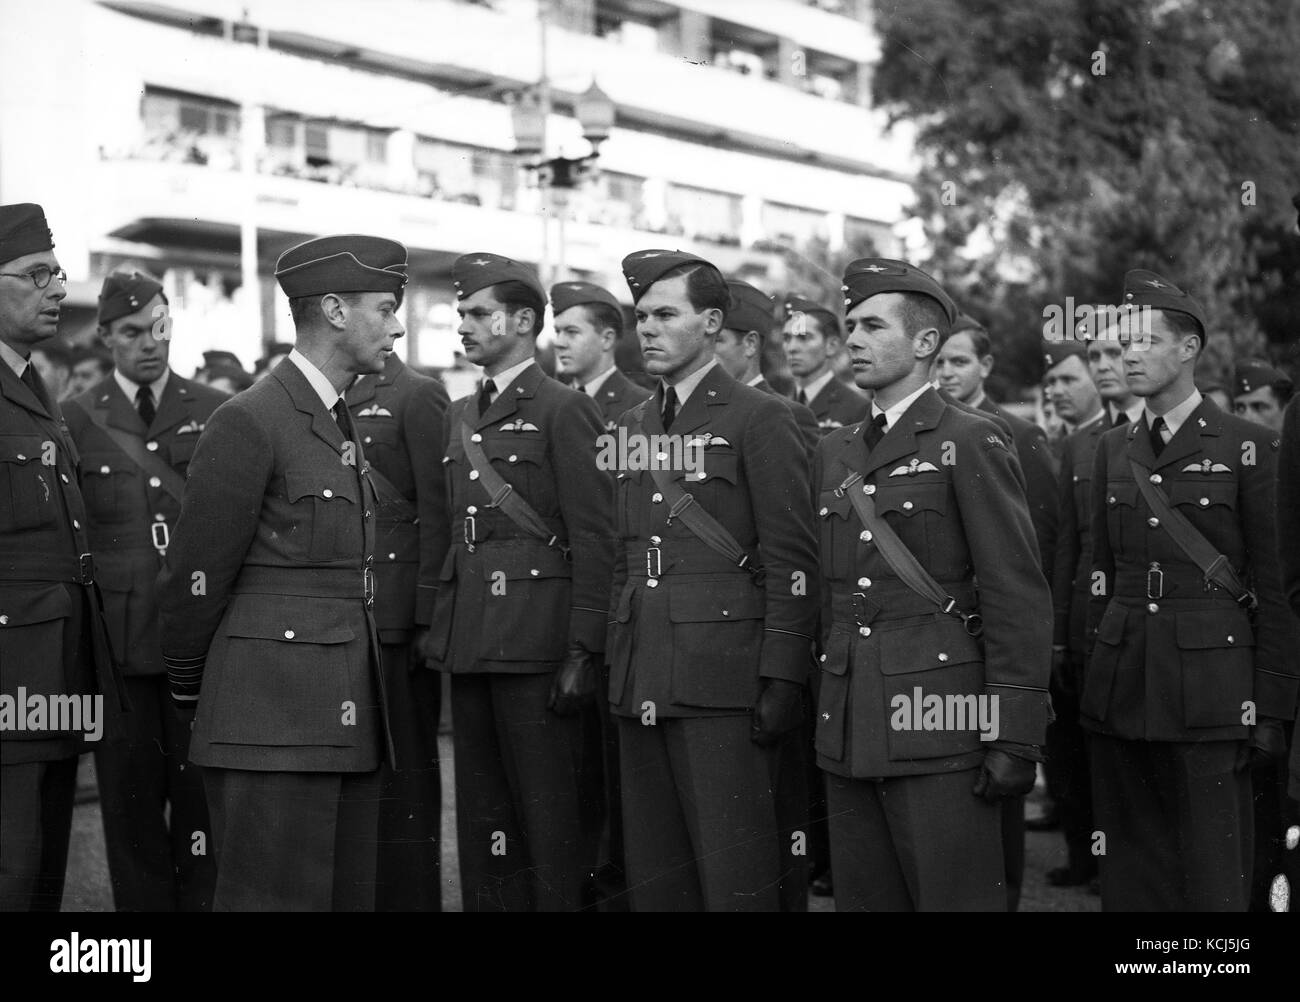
column 812, row 339
column 136, row 433
column 52, row 639
column 713, row 607
column 1182, row 689
column 588, row 325
column 915, row 505
column 1068, row 779
column 519, row 620
column 267, row 599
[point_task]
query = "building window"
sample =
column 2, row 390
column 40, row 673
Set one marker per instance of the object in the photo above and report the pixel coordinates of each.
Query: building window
column 189, row 128
column 792, row 225
column 703, row 214
column 457, row 173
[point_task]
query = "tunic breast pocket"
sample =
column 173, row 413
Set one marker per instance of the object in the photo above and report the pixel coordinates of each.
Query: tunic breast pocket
column 838, row 531
column 523, row 463
column 181, row 450
column 326, row 512
column 915, row 511
column 106, row 486
column 1126, row 531
column 28, row 483
column 381, row 438
column 1219, row 496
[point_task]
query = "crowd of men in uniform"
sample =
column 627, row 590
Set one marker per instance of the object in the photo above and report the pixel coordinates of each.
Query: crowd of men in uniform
column 834, row 648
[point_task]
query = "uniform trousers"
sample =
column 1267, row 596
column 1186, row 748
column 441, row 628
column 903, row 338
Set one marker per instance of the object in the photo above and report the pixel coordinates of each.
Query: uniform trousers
column 698, row 816
column 1067, row 769
column 153, row 803
column 788, row 765
column 915, row 843
column 1178, row 824
column 294, row 841
column 522, row 843
column 408, row 869
column 35, row 824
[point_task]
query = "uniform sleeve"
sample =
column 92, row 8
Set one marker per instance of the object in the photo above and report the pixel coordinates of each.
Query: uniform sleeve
column 1065, row 561
column 1288, row 506
column 1014, row 598
column 1041, row 493
column 1103, row 556
column 776, row 470
column 586, row 502
column 220, row 512
column 424, row 429
column 1276, row 665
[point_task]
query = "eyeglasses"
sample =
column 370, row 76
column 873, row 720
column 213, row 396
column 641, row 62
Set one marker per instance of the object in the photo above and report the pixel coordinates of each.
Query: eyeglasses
column 40, row 275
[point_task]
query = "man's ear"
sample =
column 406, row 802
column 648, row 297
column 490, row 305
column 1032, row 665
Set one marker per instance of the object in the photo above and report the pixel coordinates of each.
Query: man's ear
column 524, row 319
column 713, row 320
column 753, row 343
column 986, row 366
column 926, row 343
column 102, row 333
column 334, row 309
column 608, row 337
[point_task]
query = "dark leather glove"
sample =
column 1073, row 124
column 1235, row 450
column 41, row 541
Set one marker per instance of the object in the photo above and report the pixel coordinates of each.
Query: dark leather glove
column 574, row 684
column 779, row 710
column 1265, row 746
column 1003, row 775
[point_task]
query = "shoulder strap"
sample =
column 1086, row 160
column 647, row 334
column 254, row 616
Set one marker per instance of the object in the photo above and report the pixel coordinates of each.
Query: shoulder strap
column 1213, row 564
column 172, row 482
column 901, row 560
column 389, row 496
column 503, row 494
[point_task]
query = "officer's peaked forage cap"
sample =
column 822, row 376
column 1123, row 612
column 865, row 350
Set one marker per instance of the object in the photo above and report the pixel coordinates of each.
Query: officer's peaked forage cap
column 23, row 231
column 751, row 309
column 568, row 294
column 1255, row 374
column 798, row 304
column 645, row 267
column 870, row 276
column 1146, row 288
column 1056, row 352
column 472, row 272
column 124, row 293
column 344, row 262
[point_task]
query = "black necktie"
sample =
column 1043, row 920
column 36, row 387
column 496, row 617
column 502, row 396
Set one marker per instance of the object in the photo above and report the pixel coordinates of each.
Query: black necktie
column 670, row 407
column 485, row 396
column 580, row 388
column 1157, row 440
column 801, row 397
column 343, row 419
column 34, row 384
column 1120, row 419
column 144, row 404
column 874, row 431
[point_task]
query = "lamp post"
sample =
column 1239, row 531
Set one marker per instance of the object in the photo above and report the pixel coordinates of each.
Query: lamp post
column 557, row 176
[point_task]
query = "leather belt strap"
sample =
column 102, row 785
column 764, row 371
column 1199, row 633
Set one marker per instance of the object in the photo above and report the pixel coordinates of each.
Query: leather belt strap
column 504, row 496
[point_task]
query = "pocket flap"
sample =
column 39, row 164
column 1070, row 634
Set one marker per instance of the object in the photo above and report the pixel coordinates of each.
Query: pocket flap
column 714, row 464
column 23, row 607
column 1220, row 628
column 302, row 624
column 1203, row 495
column 1121, row 494
column 1111, row 628
column 908, row 499
column 326, row 484
column 941, row 645
column 512, row 451
column 22, row 449
column 715, row 601
column 831, row 503
column 524, row 560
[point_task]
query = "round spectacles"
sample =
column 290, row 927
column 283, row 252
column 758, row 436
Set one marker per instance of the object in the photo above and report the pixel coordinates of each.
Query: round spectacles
column 40, row 275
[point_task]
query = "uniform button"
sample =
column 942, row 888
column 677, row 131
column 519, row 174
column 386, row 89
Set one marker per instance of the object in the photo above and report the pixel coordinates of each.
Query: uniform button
column 725, row 612
column 23, row 459
column 102, row 469
column 76, row 524
column 943, row 658
column 865, row 630
column 1204, row 502
column 662, row 457
column 535, row 572
column 826, row 716
column 366, row 514
column 473, row 474
column 656, row 498
column 823, row 658
column 865, row 535
column 1153, row 522
column 1111, row 499
column 869, row 489
column 652, row 583
column 1152, row 607
column 907, row 506
column 155, row 482
column 701, row 475
column 655, row 540
column 327, row 492
column 476, row 437
column 392, row 556
column 151, row 446
column 514, row 459
column 4, row 620
column 288, row 634
column 1155, row 478
column 366, row 440
column 864, row 582
column 63, row 477
column 471, row 510
column 823, row 512
column 159, row 518
column 1231, row 639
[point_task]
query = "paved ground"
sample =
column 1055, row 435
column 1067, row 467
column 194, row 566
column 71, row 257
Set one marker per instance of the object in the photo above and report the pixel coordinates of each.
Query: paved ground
column 88, row 888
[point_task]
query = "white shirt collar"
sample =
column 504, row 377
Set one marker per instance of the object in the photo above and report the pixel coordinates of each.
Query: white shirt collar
column 685, row 387
column 14, row 360
column 756, row 380
column 598, row 382
column 1094, row 419
column 899, row 409
column 1132, row 413
column 502, row 380
column 817, row 385
column 323, row 387
column 1175, row 416
column 130, row 387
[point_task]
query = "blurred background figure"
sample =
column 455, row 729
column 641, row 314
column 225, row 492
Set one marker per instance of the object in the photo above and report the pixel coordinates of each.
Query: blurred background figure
column 274, row 356
column 89, row 366
column 1261, row 393
column 54, row 363
column 228, row 378
column 1221, row 398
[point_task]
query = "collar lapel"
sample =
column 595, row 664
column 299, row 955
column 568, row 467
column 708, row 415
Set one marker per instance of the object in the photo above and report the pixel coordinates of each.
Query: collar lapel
column 172, row 409
column 121, row 410
column 1139, row 443
column 507, row 402
column 900, row 439
column 1188, row 440
column 20, row 393
column 711, row 391
column 308, row 402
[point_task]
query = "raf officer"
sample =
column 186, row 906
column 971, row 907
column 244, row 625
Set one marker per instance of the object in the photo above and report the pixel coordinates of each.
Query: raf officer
column 266, row 600
column 712, row 609
column 399, row 414
column 915, row 505
column 52, row 639
column 812, row 338
column 1182, row 690
column 1261, row 393
column 136, row 433
column 518, row 620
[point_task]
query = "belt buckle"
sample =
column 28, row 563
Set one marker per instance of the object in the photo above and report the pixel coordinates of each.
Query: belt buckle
column 654, row 567
column 86, row 567
column 162, row 537
column 470, row 533
column 1156, row 577
column 368, row 582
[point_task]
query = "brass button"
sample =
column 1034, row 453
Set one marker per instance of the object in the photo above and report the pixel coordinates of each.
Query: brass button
column 864, row 582
column 63, row 477
column 869, row 489
column 655, row 540
column 1204, row 502
column 4, row 621
column 151, row 446
column 907, row 506
column 476, row 437
column 288, row 634
column 701, row 475
column 826, row 716
column 652, row 583
column 471, row 510
column 366, row 440
column 823, row 658
column 1152, row 607
column 392, row 556
column 943, row 658
column 535, row 572
column 865, row 535
column 102, row 469
column 1111, row 499
column 76, row 524
column 662, row 457
column 23, row 459
column 725, row 612
column 865, row 631
column 367, row 514
column 1155, row 478
column 823, row 512
column 656, row 498
column 1153, row 522
column 1231, row 639
column 514, row 459
column 473, row 474
column 155, row 482
column 327, row 492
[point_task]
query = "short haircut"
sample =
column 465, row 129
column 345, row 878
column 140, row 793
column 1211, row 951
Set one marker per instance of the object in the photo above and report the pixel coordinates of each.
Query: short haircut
column 1184, row 325
column 99, row 355
column 706, row 289
column 515, row 296
column 920, row 312
column 979, row 337
column 300, row 308
column 602, row 315
column 828, row 324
